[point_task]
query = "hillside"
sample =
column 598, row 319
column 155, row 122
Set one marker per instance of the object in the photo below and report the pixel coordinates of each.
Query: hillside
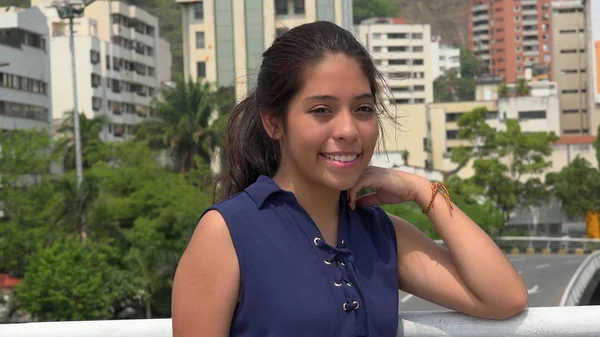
column 447, row 18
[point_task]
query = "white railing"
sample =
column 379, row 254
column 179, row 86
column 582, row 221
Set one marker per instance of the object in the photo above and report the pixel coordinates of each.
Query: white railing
column 534, row 322
column 547, row 242
column 581, row 280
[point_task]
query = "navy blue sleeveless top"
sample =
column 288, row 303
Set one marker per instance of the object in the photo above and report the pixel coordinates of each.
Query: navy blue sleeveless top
column 294, row 284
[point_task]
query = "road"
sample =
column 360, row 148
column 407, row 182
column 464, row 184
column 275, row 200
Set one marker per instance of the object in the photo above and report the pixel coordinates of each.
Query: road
column 546, row 277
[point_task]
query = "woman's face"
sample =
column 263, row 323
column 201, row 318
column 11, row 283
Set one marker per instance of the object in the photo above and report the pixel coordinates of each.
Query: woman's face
column 331, row 127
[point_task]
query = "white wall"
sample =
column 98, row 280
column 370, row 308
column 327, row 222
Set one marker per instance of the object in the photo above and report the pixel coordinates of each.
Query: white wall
column 26, row 61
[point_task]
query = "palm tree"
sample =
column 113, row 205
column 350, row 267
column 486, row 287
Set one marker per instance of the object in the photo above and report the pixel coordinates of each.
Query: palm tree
column 183, row 122
column 93, row 149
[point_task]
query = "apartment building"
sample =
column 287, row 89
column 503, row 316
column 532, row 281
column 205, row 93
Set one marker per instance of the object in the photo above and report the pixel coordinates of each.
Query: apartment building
column 445, row 56
column 402, row 53
column 510, row 35
column 569, row 65
column 25, row 88
column 117, row 55
column 409, row 132
column 223, row 40
column 592, row 27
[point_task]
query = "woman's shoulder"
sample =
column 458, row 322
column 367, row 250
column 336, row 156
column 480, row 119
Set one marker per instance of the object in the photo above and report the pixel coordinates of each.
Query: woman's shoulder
column 376, row 222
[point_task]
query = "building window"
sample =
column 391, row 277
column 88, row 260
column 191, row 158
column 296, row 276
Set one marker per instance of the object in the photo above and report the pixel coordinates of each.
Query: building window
column 299, row 7
column 96, row 103
column 201, row 69
column 397, row 36
column 452, row 134
column 281, row 7
column 417, row 49
column 534, row 114
column 418, row 62
column 199, row 10
column 200, row 40
column 417, row 36
column 393, row 49
column 25, row 111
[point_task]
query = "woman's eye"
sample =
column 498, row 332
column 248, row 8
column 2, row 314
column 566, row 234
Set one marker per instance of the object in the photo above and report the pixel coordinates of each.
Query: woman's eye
column 321, row 110
column 365, row 109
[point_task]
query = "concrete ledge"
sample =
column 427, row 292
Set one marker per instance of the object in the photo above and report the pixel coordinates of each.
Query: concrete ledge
column 534, row 322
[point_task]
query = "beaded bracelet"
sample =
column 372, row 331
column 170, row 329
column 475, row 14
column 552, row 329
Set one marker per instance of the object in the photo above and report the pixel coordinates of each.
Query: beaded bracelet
column 435, row 188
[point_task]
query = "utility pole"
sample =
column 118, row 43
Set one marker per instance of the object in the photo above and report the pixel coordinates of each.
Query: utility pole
column 69, row 10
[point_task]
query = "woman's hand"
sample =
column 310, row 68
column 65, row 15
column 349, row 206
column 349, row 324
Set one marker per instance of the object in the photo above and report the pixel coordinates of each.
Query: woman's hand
column 391, row 187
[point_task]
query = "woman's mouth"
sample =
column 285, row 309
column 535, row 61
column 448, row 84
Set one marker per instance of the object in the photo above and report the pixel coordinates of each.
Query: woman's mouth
column 345, row 160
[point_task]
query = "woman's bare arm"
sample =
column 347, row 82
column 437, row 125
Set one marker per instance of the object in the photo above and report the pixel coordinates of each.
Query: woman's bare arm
column 472, row 276
column 207, row 281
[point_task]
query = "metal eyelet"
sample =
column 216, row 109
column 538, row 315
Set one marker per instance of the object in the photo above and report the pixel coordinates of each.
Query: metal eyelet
column 326, row 262
column 355, row 303
column 343, row 264
column 343, row 244
column 316, row 241
column 349, row 284
column 337, row 284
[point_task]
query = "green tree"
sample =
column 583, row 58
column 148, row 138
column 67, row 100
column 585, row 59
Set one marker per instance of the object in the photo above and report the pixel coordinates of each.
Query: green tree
column 503, row 91
column 26, row 195
column 183, row 123
column 523, row 88
column 93, row 149
column 577, row 186
column 470, row 66
column 364, row 9
column 69, row 281
column 506, row 162
column 452, row 88
column 150, row 214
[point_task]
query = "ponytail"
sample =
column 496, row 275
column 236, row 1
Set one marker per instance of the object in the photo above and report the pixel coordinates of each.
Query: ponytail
column 250, row 151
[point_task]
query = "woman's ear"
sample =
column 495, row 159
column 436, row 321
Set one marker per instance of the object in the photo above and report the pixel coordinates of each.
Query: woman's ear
column 272, row 126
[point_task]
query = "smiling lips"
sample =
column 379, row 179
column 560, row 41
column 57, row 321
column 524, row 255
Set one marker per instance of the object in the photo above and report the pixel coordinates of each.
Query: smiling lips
column 341, row 158
column 346, row 160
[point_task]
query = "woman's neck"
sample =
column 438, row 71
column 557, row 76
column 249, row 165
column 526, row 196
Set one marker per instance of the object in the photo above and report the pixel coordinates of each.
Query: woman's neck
column 320, row 202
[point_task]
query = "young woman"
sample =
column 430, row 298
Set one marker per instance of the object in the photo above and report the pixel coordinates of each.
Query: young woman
column 290, row 251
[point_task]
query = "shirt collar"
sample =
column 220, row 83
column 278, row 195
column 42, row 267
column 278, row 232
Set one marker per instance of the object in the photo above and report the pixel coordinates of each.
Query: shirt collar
column 264, row 187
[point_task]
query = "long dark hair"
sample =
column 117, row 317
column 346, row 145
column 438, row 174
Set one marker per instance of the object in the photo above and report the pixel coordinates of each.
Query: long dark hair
column 250, row 150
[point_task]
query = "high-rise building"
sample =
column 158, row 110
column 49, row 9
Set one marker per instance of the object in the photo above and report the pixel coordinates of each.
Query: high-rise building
column 592, row 28
column 117, row 55
column 569, row 65
column 25, row 91
column 509, row 36
column 445, row 57
column 402, row 53
column 223, row 40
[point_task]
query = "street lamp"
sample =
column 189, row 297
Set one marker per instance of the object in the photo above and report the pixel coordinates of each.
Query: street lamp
column 69, row 10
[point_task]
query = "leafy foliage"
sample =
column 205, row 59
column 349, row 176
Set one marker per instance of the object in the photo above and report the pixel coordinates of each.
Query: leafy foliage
column 364, row 9
column 183, row 122
column 70, row 280
column 506, row 162
column 454, row 86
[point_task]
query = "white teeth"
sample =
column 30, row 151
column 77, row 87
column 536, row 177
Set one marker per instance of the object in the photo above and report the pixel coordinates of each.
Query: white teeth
column 342, row 159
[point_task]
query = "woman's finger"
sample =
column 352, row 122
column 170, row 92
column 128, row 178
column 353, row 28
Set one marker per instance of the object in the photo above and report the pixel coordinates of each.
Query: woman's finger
column 364, row 181
column 368, row 200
